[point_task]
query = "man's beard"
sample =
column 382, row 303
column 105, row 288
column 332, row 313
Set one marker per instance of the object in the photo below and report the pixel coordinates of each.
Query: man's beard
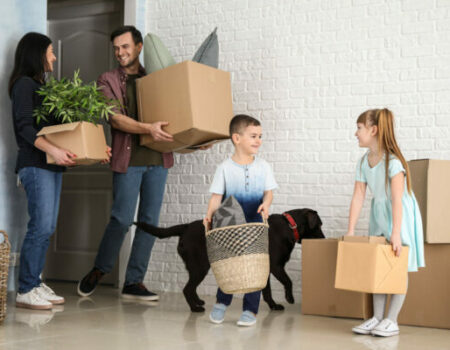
column 130, row 64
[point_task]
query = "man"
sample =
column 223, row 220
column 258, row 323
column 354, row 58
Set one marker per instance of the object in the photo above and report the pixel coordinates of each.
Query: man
column 137, row 170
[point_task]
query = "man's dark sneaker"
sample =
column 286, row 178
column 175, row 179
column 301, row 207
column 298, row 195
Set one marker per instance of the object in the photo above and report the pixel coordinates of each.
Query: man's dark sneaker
column 88, row 284
column 138, row 291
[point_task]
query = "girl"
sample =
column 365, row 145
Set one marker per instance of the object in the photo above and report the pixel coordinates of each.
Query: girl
column 394, row 210
column 41, row 181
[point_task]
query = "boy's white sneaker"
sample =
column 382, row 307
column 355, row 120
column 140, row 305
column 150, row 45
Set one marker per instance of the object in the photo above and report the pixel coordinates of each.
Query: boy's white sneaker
column 247, row 319
column 367, row 326
column 48, row 294
column 386, row 328
column 32, row 300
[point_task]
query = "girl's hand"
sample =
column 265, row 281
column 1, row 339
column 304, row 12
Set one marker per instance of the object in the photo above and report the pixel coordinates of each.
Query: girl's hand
column 207, row 222
column 264, row 210
column 396, row 243
column 63, row 157
column 108, row 155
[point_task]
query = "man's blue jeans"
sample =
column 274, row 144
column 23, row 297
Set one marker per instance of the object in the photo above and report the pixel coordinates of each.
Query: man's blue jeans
column 147, row 183
column 43, row 190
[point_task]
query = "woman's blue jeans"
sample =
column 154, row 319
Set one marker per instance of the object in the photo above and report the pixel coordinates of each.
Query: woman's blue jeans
column 43, row 190
column 146, row 183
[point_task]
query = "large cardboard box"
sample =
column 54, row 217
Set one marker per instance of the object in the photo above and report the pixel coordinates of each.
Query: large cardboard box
column 427, row 301
column 194, row 98
column 319, row 297
column 431, row 186
column 84, row 139
column 371, row 266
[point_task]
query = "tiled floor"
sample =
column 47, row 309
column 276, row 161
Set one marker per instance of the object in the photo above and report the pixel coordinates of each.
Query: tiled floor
column 106, row 322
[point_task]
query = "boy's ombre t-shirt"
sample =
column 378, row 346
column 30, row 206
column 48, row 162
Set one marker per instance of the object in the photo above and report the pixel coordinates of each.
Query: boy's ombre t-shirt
column 246, row 183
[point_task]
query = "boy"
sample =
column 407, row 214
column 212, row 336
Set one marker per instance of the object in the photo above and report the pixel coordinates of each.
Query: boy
column 250, row 180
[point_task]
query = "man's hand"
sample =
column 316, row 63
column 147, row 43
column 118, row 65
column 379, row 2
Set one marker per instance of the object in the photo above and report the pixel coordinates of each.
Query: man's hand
column 158, row 134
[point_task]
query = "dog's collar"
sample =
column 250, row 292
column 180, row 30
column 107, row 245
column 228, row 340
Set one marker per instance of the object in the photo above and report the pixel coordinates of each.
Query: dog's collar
column 292, row 225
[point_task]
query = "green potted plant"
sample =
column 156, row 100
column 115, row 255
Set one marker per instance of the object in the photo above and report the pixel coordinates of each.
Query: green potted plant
column 79, row 108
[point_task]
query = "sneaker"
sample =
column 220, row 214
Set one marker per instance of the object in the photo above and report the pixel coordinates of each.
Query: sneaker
column 32, row 300
column 48, row 294
column 88, row 284
column 367, row 326
column 247, row 319
column 386, row 328
column 138, row 291
column 217, row 313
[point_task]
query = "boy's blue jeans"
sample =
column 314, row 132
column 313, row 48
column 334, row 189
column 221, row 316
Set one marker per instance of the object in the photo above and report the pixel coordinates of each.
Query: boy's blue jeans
column 251, row 300
column 147, row 183
column 43, row 190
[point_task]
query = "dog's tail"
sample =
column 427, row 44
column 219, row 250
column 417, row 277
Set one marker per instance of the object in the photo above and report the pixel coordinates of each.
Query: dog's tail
column 162, row 232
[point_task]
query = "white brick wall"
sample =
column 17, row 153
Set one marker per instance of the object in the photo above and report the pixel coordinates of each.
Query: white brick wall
column 307, row 69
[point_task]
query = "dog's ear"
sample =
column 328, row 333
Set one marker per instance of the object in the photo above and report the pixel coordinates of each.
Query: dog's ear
column 313, row 219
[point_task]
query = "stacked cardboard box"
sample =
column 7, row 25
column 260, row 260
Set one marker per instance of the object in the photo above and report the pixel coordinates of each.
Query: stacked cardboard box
column 427, row 301
column 319, row 297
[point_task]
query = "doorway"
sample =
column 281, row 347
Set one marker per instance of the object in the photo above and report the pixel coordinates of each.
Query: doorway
column 80, row 31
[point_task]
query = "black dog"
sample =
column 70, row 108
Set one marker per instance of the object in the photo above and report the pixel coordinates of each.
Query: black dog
column 192, row 249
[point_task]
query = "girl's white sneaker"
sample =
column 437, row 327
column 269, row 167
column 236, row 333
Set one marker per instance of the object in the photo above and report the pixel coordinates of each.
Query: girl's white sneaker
column 367, row 326
column 32, row 300
column 48, row 294
column 386, row 328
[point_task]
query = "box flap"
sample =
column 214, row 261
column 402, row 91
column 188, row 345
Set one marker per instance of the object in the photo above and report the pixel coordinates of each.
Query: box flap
column 364, row 239
column 58, row 128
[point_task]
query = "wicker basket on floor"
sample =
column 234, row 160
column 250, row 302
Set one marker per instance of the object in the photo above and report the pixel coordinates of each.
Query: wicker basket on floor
column 239, row 256
column 5, row 247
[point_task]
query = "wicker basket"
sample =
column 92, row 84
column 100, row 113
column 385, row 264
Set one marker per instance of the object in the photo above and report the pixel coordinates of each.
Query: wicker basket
column 239, row 257
column 5, row 247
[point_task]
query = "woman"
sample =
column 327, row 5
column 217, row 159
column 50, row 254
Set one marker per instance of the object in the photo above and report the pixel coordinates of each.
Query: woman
column 42, row 182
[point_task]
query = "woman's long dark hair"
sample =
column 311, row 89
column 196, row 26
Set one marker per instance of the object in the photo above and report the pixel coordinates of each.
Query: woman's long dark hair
column 30, row 58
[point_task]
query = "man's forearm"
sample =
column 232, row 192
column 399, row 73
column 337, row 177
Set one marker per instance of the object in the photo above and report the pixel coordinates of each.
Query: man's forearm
column 129, row 125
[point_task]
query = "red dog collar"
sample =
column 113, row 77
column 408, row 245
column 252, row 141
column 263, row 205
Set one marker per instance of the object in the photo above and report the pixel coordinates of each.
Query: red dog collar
column 292, row 225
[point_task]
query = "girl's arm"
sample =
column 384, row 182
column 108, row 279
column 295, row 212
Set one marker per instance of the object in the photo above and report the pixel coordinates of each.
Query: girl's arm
column 265, row 205
column 359, row 193
column 213, row 205
column 397, row 188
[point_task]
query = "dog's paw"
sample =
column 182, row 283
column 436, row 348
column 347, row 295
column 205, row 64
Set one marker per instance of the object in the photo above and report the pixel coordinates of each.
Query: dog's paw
column 197, row 308
column 200, row 302
column 290, row 298
column 277, row 307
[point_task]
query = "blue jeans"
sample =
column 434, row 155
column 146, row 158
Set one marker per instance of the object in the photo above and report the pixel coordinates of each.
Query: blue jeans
column 43, row 190
column 251, row 300
column 148, row 183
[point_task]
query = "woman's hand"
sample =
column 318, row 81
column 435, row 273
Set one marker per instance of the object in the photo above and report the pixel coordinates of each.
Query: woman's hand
column 63, row 157
column 396, row 243
column 108, row 155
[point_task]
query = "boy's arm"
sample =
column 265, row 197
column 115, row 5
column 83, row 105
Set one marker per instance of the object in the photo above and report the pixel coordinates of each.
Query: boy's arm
column 265, row 205
column 359, row 194
column 213, row 205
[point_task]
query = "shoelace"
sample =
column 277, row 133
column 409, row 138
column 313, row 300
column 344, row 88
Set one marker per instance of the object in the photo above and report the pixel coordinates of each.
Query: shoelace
column 47, row 289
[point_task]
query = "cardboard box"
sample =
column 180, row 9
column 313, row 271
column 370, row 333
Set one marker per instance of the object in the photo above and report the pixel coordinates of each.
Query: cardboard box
column 319, row 297
column 194, row 98
column 431, row 185
column 84, row 139
column 427, row 301
column 371, row 266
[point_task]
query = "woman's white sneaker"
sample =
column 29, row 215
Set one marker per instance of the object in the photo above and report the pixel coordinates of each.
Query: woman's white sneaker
column 367, row 326
column 386, row 328
column 32, row 300
column 48, row 294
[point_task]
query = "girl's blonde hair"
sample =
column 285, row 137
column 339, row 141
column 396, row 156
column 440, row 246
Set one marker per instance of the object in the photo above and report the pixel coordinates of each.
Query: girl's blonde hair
column 384, row 120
